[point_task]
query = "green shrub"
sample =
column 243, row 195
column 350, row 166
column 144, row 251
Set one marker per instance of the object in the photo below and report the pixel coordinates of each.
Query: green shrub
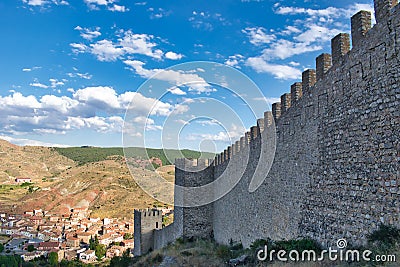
column 299, row 245
column 386, row 235
column 186, row 253
column 180, row 241
column 259, row 243
column 157, row 258
column 223, row 252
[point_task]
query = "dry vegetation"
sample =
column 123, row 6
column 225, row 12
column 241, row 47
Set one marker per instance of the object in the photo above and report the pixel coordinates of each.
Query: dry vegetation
column 204, row 253
column 59, row 183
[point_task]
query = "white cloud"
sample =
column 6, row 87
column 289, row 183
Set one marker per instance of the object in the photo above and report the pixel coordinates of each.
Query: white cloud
column 283, row 49
column 268, row 100
column 207, row 122
column 137, row 66
column 40, row 85
column 258, row 36
column 356, row 7
column 29, row 142
column 176, row 91
column 30, row 69
column 78, row 48
column 139, row 44
column 206, row 21
column 309, row 32
column 316, row 33
column 290, row 30
column 105, row 50
column 234, row 133
column 147, row 122
column 158, row 13
column 194, row 82
column 329, row 12
column 55, row 83
column 100, row 97
column 86, row 75
column 173, row 56
column 99, row 2
column 118, row 8
column 35, row 2
column 278, row 71
column 60, row 2
column 233, row 61
column 140, row 104
column 45, row 3
column 89, row 34
column 54, row 115
column 128, row 44
column 108, row 4
column 17, row 100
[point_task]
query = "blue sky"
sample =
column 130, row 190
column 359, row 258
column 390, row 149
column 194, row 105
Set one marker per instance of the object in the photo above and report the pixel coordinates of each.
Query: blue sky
column 70, row 68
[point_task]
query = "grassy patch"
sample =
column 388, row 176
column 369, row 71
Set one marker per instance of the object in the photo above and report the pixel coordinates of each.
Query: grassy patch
column 83, row 155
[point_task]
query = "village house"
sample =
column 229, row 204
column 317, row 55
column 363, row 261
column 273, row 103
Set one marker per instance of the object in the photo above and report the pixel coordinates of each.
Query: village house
column 23, row 180
column 84, row 237
column 72, row 242
column 71, row 254
column 48, row 246
column 128, row 243
column 105, row 239
column 50, row 232
column 32, row 255
column 87, row 256
column 115, row 251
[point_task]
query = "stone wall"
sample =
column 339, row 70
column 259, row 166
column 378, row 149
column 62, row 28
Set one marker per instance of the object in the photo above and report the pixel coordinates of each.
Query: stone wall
column 145, row 222
column 355, row 185
column 196, row 221
column 335, row 173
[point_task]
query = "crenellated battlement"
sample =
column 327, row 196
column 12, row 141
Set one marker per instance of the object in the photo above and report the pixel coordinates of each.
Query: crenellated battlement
column 360, row 24
column 192, row 164
column 323, row 64
column 149, row 212
column 296, row 92
column 340, row 47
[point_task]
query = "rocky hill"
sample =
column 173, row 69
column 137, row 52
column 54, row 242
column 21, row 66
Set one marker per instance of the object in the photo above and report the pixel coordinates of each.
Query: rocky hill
column 60, row 183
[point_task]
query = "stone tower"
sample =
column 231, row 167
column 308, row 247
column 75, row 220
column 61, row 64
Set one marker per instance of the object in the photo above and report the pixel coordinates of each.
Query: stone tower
column 146, row 222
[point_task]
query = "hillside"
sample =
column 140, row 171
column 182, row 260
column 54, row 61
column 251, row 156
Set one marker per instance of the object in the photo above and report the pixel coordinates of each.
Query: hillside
column 63, row 178
column 41, row 164
column 28, row 161
column 106, row 187
column 82, row 155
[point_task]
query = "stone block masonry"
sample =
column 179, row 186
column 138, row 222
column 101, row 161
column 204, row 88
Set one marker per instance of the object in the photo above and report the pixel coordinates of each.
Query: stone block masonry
column 336, row 168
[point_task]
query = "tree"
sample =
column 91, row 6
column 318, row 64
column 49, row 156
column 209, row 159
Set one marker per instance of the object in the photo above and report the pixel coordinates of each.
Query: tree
column 128, row 236
column 1, row 247
column 123, row 261
column 100, row 251
column 31, row 248
column 93, row 242
column 53, row 258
